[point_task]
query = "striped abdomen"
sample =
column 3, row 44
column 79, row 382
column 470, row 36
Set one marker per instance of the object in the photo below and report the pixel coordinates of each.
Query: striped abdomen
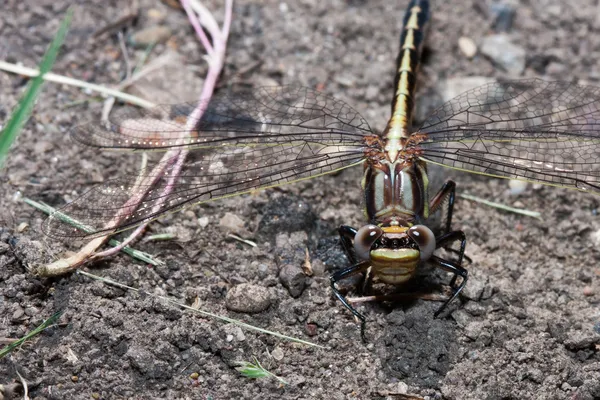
column 411, row 44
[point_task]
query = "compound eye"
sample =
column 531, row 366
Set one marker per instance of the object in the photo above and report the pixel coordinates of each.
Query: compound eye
column 365, row 239
column 424, row 238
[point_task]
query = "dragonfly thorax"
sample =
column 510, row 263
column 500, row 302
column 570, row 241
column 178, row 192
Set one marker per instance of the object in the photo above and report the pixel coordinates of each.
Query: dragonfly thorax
column 396, row 193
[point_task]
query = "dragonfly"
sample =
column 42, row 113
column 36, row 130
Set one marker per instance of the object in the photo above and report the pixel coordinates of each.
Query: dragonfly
column 530, row 130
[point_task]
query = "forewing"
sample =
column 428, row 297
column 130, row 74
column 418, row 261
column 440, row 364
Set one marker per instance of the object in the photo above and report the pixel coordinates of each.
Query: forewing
column 243, row 145
column 263, row 116
column 547, row 132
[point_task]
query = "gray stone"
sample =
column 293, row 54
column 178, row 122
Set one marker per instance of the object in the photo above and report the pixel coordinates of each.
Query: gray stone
column 231, row 222
column 475, row 287
column 396, row 317
column 577, row 340
column 248, row 298
column 293, row 279
column 474, row 329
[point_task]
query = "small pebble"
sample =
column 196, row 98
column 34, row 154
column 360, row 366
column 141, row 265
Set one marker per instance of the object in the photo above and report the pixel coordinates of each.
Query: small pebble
column 75, row 378
column 292, row 277
column 474, row 290
column 18, row 314
column 150, row 35
column 401, row 388
column 277, row 354
column 396, row 317
column 203, row 222
column 588, row 291
column 565, row 387
column 311, row 329
column 156, row 15
column 467, row 46
column 474, row 329
column 517, row 187
column 518, row 204
column 231, row 222
column 248, row 298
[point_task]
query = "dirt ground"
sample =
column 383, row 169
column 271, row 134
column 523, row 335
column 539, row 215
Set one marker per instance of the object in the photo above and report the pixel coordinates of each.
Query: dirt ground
column 528, row 326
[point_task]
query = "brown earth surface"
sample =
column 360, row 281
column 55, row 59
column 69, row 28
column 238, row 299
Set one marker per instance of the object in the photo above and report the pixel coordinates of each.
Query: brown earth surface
column 527, row 328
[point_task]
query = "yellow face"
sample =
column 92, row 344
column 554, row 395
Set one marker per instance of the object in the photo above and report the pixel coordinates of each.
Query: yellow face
column 394, row 266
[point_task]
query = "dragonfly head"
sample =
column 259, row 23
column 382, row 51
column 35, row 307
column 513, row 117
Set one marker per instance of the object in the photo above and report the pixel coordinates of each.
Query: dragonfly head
column 394, row 252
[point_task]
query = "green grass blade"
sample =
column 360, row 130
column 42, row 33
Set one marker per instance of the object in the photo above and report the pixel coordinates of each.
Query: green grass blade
column 23, row 110
column 49, row 322
column 250, row 370
column 256, row 371
column 500, row 206
column 137, row 254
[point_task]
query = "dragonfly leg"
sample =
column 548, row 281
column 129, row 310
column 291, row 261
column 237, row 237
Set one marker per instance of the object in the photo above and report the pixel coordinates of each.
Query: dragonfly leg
column 444, row 240
column 447, row 192
column 344, row 273
column 347, row 234
column 457, row 270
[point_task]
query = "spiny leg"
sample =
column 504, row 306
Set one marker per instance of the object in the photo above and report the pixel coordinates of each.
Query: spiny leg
column 444, row 240
column 345, row 273
column 447, row 192
column 457, row 270
column 347, row 234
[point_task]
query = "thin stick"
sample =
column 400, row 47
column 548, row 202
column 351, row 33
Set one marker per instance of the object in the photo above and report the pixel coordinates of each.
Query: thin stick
column 160, row 237
column 239, row 239
column 123, row 47
column 533, row 214
column 24, row 385
column 196, row 310
column 32, row 72
column 398, row 296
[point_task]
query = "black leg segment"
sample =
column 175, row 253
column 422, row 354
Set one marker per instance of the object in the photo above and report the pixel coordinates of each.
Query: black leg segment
column 347, row 234
column 344, row 273
column 450, row 237
column 457, row 270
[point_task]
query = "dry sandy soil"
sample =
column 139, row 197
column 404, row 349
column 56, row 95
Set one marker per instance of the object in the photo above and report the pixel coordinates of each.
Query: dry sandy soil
column 527, row 328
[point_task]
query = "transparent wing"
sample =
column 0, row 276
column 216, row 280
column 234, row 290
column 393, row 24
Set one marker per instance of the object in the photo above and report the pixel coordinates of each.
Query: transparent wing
column 547, row 132
column 245, row 142
column 264, row 116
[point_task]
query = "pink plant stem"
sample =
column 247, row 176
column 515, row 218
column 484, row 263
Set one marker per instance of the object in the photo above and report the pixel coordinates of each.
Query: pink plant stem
column 215, row 66
column 196, row 24
column 175, row 157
